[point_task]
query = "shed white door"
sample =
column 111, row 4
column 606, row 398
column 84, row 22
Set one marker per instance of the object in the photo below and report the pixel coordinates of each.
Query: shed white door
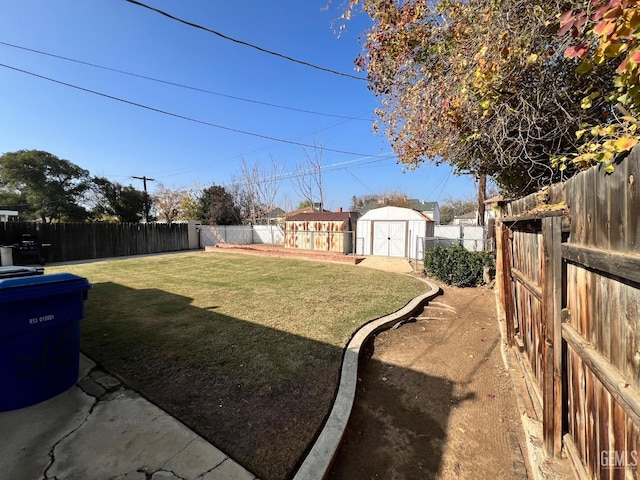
column 389, row 239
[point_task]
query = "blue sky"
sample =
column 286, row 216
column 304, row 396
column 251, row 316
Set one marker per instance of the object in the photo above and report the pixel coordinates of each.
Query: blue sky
column 119, row 140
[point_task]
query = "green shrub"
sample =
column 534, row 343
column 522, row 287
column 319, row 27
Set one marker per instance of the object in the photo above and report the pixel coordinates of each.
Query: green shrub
column 457, row 266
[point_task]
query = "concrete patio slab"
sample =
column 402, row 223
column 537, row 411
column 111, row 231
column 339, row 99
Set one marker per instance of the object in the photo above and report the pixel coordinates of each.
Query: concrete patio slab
column 100, row 430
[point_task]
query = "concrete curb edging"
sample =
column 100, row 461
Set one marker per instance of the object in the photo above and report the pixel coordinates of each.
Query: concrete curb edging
column 318, row 461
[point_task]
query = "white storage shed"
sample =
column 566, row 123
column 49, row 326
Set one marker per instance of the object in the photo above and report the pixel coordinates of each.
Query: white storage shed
column 392, row 232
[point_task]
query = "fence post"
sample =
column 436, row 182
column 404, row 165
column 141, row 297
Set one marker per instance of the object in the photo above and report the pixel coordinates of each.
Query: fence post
column 506, row 289
column 552, row 335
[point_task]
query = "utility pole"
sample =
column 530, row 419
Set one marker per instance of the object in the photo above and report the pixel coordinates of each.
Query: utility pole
column 146, row 196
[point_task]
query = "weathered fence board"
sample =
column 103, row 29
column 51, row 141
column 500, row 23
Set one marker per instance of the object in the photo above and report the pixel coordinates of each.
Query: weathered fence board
column 532, row 287
column 527, row 292
column 575, row 304
column 624, row 265
column 503, row 273
column 631, row 220
column 81, row 241
column 552, row 290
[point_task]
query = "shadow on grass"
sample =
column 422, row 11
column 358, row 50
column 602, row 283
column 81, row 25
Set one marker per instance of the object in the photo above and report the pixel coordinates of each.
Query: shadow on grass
column 259, row 394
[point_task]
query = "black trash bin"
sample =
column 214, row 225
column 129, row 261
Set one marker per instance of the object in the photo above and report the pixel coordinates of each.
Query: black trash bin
column 39, row 335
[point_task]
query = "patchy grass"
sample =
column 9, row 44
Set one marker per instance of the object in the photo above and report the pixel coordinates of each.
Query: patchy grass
column 243, row 349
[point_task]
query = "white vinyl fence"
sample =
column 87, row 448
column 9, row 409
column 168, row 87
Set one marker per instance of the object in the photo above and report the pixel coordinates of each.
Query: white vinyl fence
column 241, row 234
column 471, row 237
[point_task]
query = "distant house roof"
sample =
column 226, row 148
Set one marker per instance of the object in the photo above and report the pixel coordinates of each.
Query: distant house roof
column 322, row 217
column 466, row 216
column 300, row 210
column 422, row 206
column 273, row 212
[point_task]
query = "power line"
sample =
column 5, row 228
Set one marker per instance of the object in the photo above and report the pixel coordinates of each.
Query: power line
column 329, row 168
column 183, row 117
column 180, row 85
column 358, row 180
column 444, row 185
column 241, row 155
column 242, row 42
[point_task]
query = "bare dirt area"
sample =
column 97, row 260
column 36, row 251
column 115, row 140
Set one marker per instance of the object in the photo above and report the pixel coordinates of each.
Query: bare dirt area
column 434, row 399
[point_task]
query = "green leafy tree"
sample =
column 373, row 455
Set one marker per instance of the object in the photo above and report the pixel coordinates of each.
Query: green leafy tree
column 393, row 198
column 189, row 204
column 355, row 204
column 305, row 204
column 455, row 207
column 13, row 201
column 217, row 207
column 53, row 189
column 119, row 203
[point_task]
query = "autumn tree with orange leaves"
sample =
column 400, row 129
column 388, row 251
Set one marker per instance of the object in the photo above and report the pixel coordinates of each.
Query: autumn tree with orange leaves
column 482, row 85
column 604, row 37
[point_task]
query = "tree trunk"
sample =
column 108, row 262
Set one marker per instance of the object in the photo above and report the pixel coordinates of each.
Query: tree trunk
column 482, row 191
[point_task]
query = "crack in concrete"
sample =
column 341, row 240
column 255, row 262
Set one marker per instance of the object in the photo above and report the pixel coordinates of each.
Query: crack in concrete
column 101, row 386
column 106, row 396
column 86, row 391
column 168, row 471
column 52, row 455
column 212, row 469
column 179, row 451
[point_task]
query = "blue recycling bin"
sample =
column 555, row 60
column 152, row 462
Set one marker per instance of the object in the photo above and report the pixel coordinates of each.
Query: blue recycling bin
column 39, row 336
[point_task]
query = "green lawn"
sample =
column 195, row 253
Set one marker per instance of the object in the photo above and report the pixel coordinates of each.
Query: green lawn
column 244, row 349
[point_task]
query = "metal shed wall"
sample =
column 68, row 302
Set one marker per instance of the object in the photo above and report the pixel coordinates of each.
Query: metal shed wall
column 391, row 231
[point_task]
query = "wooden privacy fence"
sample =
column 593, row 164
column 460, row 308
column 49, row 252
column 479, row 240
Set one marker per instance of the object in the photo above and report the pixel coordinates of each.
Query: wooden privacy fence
column 568, row 262
column 82, row 241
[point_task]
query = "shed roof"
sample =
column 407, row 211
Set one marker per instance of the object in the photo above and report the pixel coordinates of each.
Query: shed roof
column 395, row 213
column 322, row 217
column 411, row 203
